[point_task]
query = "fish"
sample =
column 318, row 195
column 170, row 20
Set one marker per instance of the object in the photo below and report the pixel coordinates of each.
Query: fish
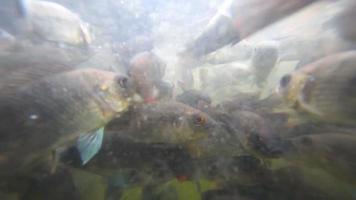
column 264, row 59
column 61, row 185
column 331, row 151
column 147, row 70
column 168, row 122
column 17, row 73
column 323, row 90
column 236, row 20
column 52, row 22
column 344, row 22
column 41, row 116
column 195, row 99
column 258, row 134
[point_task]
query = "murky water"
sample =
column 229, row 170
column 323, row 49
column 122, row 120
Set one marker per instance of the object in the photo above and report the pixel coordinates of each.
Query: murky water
column 183, row 100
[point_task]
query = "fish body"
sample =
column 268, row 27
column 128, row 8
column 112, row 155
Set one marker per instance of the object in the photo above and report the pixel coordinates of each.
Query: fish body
column 165, row 122
column 333, row 152
column 344, row 22
column 52, row 22
column 263, row 60
column 195, row 98
column 45, row 114
column 324, row 90
column 238, row 19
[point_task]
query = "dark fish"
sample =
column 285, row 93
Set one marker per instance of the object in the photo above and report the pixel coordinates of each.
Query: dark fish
column 165, row 122
column 195, row 98
column 55, row 186
column 333, row 152
column 45, row 114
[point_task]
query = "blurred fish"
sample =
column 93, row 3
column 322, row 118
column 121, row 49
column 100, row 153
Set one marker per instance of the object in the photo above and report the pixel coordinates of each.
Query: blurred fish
column 117, row 153
column 238, row 19
column 333, row 152
column 162, row 132
column 166, row 90
column 195, row 99
column 147, row 70
column 222, row 80
column 44, row 21
column 344, row 22
column 257, row 134
column 239, row 52
column 165, row 122
column 56, row 186
column 324, row 90
column 41, row 115
column 263, row 60
column 249, row 101
column 52, row 22
column 42, row 31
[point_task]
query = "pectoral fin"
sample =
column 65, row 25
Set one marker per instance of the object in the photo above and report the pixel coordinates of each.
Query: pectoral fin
column 89, row 144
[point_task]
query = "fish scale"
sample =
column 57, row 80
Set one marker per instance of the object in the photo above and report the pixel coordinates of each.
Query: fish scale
column 334, row 89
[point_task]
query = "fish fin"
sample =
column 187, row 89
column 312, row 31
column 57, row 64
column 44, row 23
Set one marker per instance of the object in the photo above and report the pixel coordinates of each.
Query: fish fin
column 56, row 153
column 312, row 110
column 54, row 162
column 304, row 106
column 89, row 144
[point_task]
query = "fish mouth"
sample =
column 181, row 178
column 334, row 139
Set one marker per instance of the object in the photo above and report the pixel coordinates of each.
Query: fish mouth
column 109, row 105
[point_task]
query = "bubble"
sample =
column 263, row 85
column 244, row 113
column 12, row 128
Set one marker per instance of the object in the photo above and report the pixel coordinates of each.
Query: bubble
column 33, row 117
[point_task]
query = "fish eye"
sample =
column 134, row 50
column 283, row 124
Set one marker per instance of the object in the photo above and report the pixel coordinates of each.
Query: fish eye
column 199, row 120
column 285, row 80
column 122, row 81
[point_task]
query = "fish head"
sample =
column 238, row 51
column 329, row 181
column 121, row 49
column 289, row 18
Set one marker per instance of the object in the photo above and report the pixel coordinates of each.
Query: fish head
column 293, row 86
column 173, row 122
column 146, row 70
column 114, row 91
column 199, row 124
